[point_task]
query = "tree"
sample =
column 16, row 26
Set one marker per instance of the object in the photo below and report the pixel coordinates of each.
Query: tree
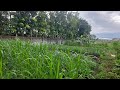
column 24, row 22
column 72, row 24
column 42, row 23
column 84, row 28
column 16, row 23
column 32, row 21
column 3, row 21
column 50, row 24
column 60, row 24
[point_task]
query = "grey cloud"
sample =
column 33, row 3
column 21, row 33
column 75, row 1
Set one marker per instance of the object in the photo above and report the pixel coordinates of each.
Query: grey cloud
column 101, row 20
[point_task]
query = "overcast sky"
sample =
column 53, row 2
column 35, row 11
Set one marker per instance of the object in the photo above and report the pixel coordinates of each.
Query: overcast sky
column 102, row 21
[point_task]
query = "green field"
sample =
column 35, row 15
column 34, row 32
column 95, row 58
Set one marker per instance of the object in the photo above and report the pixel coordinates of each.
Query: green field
column 25, row 60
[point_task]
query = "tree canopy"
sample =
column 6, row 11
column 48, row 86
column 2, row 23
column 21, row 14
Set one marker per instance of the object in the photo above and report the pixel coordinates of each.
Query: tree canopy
column 50, row 24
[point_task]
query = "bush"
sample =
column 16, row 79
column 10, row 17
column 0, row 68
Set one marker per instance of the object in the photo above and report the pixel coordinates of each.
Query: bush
column 116, row 46
column 84, row 40
column 71, row 43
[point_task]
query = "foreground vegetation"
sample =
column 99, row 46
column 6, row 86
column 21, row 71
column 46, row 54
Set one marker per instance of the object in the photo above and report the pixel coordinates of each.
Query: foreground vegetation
column 25, row 60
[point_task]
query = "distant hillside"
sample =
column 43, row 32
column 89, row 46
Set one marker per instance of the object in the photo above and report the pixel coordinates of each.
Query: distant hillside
column 108, row 35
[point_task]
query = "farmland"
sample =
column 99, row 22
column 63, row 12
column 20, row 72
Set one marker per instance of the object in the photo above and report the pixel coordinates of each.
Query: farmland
column 57, row 45
column 26, row 60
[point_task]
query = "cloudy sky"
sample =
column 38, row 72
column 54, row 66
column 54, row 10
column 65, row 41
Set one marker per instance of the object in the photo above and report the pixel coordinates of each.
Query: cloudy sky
column 102, row 21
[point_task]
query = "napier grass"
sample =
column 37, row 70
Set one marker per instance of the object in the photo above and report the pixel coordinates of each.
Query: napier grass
column 25, row 60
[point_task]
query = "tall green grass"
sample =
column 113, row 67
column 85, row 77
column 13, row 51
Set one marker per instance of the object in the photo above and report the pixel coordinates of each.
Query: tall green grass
column 1, row 54
column 26, row 60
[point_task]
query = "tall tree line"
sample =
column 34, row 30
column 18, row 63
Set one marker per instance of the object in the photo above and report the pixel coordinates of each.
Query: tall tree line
column 44, row 24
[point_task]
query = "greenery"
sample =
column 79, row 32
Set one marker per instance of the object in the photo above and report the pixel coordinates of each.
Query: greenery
column 81, row 56
column 83, row 40
column 44, row 24
column 25, row 60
